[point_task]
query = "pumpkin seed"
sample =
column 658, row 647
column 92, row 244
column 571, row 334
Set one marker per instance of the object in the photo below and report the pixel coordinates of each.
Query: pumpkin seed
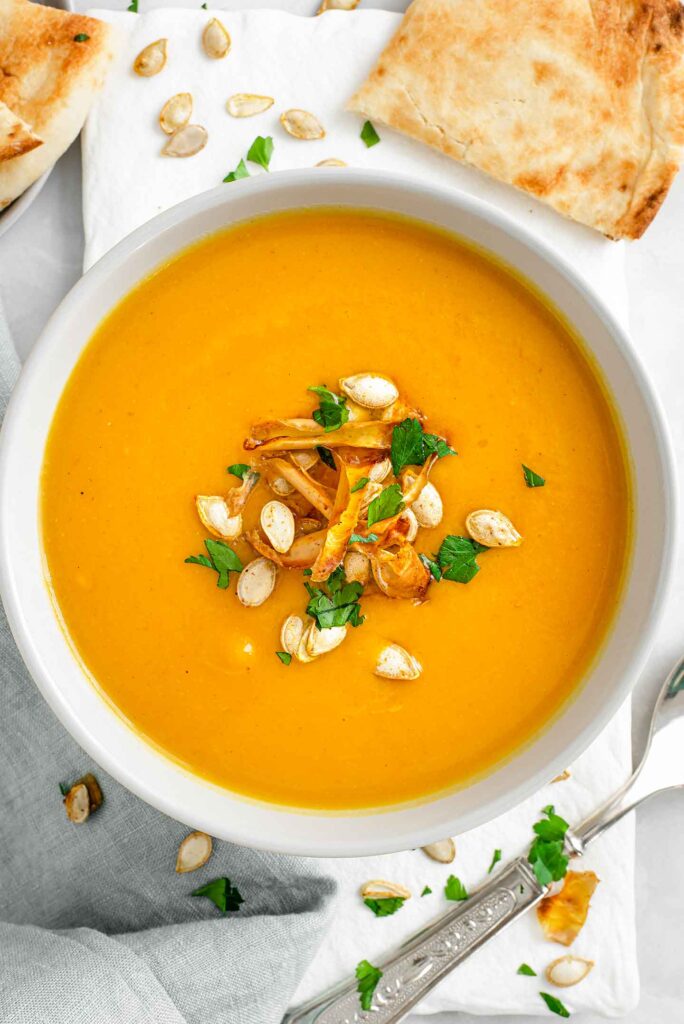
column 302, row 653
column 151, row 59
column 281, row 486
column 77, row 803
column 247, row 104
column 307, row 524
column 193, row 852
column 214, row 514
column 291, row 633
column 186, row 141
column 322, row 641
column 215, row 39
column 305, row 460
column 370, row 390
column 278, row 524
column 568, row 970
column 300, row 124
column 379, row 471
column 256, row 582
column 379, row 889
column 394, row 662
column 356, row 567
column 409, row 516
column 176, row 112
column 493, row 529
column 428, row 508
column 443, row 851
column 332, row 161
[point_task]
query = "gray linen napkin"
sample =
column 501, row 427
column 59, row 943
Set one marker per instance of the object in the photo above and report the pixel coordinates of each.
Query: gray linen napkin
column 95, row 925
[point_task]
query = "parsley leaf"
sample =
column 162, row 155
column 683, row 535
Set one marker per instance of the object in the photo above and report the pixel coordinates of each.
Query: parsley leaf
column 326, row 456
column 64, row 788
column 411, row 445
column 426, row 891
column 356, row 538
column 388, row 503
column 222, row 892
column 432, row 567
column 238, row 469
column 339, row 606
column 456, row 558
column 133, row 6
column 385, row 907
column 455, row 889
column 332, row 410
column 360, row 484
column 81, row 37
column 547, row 855
column 367, row 978
column 532, row 479
column 239, row 172
column 284, row 656
column 495, row 860
column 526, row 970
column 261, row 151
column 221, row 558
column 369, row 135
column 555, row 1005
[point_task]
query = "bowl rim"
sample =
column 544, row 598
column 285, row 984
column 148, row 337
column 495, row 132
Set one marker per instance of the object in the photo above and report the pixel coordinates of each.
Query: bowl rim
column 286, row 842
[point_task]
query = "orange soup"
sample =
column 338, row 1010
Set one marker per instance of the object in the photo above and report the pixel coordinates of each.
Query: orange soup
column 232, row 333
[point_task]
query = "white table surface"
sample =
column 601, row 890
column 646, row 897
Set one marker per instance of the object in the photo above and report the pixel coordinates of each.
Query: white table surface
column 40, row 259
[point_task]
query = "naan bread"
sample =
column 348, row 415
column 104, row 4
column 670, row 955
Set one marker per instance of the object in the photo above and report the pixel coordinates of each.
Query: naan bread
column 579, row 102
column 47, row 80
column 16, row 136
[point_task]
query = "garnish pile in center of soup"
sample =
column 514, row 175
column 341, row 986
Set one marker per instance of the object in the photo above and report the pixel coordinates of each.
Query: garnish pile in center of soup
column 335, row 510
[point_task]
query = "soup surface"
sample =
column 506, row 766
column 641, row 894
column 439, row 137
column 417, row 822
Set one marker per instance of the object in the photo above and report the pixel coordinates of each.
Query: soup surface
column 234, row 330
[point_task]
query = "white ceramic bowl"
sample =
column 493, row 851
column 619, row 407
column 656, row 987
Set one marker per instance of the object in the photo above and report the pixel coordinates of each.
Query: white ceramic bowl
column 106, row 736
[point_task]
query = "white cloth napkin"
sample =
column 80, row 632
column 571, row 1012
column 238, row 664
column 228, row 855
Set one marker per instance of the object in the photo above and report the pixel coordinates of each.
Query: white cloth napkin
column 316, row 63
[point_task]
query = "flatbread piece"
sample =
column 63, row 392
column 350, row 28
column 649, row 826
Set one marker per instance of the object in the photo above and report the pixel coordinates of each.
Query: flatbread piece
column 48, row 79
column 579, row 102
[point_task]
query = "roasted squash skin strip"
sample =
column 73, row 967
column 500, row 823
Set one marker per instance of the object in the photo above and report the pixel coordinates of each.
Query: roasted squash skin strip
column 343, row 519
column 400, row 574
column 236, row 498
column 314, row 492
column 369, row 434
column 301, row 555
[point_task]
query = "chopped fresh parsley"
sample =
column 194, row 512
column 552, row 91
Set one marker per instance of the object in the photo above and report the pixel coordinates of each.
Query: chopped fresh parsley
column 527, row 971
column 367, row 978
column 222, row 892
column 495, row 860
column 547, row 855
column 426, row 891
column 532, row 479
column 432, row 567
column 360, row 484
column 337, row 607
column 411, row 445
column 307, row 572
column 555, row 1005
column 356, row 538
column 63, row 788
column 388, row 503
column 221, row 558
column 369, row 135
column 81, row 37
column 385, row 907
column 133, row 6
column 239, row 172
column 261, row 151
column 455, row 889
column 284, row 656
column 456, row 558
column 326, row 456
column 238, row 469
column 332, row 409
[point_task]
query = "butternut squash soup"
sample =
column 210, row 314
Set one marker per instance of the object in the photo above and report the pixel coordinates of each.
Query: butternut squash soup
column 335, row 510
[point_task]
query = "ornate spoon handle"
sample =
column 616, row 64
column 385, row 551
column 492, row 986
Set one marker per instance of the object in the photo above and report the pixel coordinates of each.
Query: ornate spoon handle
column 428, row 956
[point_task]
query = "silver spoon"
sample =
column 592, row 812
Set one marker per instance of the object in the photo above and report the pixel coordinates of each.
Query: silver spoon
column 410, row 973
